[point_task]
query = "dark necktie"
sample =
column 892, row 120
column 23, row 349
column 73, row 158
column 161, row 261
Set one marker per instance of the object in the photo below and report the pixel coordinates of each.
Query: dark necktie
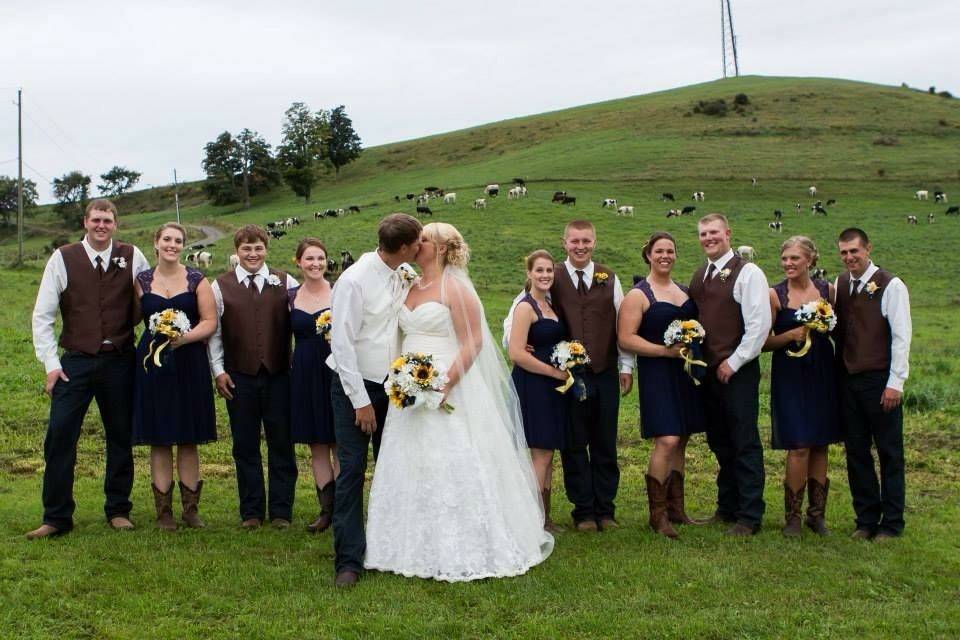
column 711, row 271
column 856, row 288
column 581, row 285
column 99, row 266
column 252, row 283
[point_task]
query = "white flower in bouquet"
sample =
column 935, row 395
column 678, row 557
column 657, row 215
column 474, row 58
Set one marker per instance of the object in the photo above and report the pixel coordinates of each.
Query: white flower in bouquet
column 165, row 326
column 816, row 315
column 414, row 381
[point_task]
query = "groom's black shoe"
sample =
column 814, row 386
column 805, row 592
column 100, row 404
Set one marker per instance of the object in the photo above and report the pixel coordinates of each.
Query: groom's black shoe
column 346, row 578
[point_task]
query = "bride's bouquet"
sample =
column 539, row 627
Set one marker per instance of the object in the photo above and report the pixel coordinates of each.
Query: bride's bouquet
column 414, row 381
column 690, row 334
column 324, row 323
column 164, row 326
column 571, row 356
column 816, row 315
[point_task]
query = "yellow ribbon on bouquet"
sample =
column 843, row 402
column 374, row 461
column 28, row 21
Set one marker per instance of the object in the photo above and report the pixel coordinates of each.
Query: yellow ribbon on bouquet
column 688, row 362
column 567, row 384
column 806, row 345
column 155, row 354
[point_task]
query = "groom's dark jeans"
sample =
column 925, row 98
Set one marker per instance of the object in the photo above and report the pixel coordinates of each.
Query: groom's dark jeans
column 349, row 538
column 108, row 378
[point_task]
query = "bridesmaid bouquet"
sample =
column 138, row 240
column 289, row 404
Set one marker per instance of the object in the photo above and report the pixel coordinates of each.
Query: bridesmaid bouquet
column 571, row 356
column 414, row 381
column 816, row 315
column 165, row 326
column 324, row 323
column 690, row 334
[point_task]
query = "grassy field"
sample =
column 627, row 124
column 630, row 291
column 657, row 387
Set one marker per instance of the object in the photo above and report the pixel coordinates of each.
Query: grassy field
column 223, row 582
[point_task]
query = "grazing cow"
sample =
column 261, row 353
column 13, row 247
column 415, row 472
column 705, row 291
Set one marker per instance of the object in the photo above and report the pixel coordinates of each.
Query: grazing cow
column 953, row 211
column 569, row 200
column 939, row 196
column 819, row 209
column 318, row 215
column 687, row 209
column 812, row 191
column 204, row 259
column 492, row 190
column 922, row 194
column 411, row 196
column 819, row 273
column 798, row 207
column 431, row 189
column 330, row 213
column 519, row 181
column 353, row 208
column 234, row 261
column 450, row 198
column 673, row 213
column 276, row 234
column 290, row 222
column 746, row 252
column 930, row 218
column 911, row 219
column 192, row 257
column 423, row 198
column 480, row 203
column 514, row 192
column 272, row 225
column 346, row 260
column 776, row 225
column 331, row 265
column 523, row 191
column 666, row 196
column 777, row 214
column 425, row 211
column 626, row 210
column 831, row 202
column 609, row 202
column 397, row 198
column 753, row 182
column 558, row 196
column 698, row 196
column 341, row 212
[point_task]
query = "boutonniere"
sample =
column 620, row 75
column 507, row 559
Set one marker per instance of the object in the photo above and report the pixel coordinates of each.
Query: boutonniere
column 723, row 275
column 600, row 278
column 120, row 262
column 407, row 274
column 273, row 280
column 871, row 288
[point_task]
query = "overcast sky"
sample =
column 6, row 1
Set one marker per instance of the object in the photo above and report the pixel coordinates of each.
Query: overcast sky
column 146, row 85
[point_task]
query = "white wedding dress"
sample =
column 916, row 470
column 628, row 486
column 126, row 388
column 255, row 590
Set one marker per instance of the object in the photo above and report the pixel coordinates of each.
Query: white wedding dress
column 453, row 495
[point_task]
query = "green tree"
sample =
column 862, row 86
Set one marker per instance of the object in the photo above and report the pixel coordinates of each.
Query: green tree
column 72, row 190
column 239, row 167
column 118, row 181
column 301, row 155
column 222, row 166
column 343, row 143
column 8, row 198
column 259, row 171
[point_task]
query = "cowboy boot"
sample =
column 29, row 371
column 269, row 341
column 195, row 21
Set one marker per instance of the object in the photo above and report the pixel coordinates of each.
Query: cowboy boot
column 190, row 499
column 548, row 523
column 792, row 504
column 817, row 507
column 657, row 497
column 325, row 519
column 163, row 501
column 676, row 510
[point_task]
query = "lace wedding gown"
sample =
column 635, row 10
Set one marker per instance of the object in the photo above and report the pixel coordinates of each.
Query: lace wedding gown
column 451, row 497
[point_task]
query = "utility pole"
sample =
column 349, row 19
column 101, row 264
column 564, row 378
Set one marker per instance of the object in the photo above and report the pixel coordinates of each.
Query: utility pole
column 19, row 176
column 731, row 62
column 176, row 195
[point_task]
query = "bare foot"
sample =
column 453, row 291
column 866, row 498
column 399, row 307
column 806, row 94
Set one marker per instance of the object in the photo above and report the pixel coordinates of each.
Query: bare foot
column 43, row 531
column 121, row 523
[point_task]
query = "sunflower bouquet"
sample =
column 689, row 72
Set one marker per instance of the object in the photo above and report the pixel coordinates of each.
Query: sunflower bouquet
column 164, row 326
column 689, row 334
column 816, row 315
column 414, row 381
column 324, row 323
column 571, row 356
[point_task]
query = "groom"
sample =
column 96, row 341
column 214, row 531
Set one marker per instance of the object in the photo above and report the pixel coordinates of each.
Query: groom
column 365, row 305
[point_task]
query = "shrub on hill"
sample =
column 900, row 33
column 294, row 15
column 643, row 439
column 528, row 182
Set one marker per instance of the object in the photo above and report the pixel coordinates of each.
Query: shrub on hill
column 741, row 99
column 886, row 141
column 716, row 107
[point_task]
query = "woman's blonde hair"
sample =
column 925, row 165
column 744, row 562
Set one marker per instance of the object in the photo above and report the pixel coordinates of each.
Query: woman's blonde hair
column 805, row 244
column 446, row 235
column 539, row 254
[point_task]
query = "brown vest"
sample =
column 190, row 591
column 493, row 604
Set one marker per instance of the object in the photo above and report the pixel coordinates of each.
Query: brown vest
column 255, row 326
column 862, row 333
column 96, row 308
column 720, row 314
column 592, row 318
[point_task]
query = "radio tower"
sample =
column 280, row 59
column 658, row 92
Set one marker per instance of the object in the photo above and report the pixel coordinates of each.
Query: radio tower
column 731, row 65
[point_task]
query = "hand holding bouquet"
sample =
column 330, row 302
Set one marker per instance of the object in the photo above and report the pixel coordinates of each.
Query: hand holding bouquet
column 165, row 326
column 324, row 323
column 414, row 381
column 689, row 334
column 571, row 356
column 816, row 315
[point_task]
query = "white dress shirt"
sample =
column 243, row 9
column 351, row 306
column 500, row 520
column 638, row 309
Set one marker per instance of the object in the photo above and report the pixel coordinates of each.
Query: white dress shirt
column 895, row 307
column 53, row 284
column 365, row 305
column 625, row 358
column 752, row 293
column 215, row 342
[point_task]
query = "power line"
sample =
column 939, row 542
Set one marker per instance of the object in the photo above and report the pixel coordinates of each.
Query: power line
column 51, row 139
column 37, row 172
column 56, row 125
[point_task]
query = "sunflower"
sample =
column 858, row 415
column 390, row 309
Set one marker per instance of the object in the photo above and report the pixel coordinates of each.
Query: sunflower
column 423, row 375
column 397, row 397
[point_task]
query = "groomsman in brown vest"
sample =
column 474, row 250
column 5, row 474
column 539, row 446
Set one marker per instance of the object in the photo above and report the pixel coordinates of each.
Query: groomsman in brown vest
column 250, row 361
column 733, row 298
column 873, row 351
column 91, row 284
column 588, row 296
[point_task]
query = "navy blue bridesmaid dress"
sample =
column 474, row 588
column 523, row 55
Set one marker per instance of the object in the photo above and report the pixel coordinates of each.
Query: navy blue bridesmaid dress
column 546, row 413
column 311, row 412
column 670, row 403
column 173, row 403
column 803, row 392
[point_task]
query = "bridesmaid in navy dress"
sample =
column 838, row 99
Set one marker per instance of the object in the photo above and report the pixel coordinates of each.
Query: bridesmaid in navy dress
column 545, row 412
column 173, row 403
column 311, row 413
column 803, row 397
column 670, row 404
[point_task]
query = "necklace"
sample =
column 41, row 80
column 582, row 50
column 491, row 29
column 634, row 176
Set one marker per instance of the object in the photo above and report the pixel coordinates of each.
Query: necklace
column 163, row 282
column 316, row 296
column 425, row 286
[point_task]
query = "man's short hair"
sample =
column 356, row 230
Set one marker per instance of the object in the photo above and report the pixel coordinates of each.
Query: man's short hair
column 100, row 204
column 397, row 230
column 851, row 233
column 714, row 217
column 251, row 234
column 579, row 225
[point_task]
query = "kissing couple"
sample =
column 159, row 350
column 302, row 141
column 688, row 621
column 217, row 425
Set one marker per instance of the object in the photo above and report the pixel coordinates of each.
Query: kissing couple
column 454, row 496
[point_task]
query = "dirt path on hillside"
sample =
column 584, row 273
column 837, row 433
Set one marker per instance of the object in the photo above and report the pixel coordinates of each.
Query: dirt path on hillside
column 210, row 235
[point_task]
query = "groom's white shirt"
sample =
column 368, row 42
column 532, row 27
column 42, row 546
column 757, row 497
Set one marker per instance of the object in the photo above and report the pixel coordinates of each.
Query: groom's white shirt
column 365, row 305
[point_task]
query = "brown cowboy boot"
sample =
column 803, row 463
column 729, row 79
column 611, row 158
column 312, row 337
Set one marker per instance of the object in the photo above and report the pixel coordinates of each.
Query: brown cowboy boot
column 657, row 497
column 325, row 519
column 163, row 501
column 792, row 504
column 817, row 507
column 191, row 505
column 548, row 524
column 676, row 509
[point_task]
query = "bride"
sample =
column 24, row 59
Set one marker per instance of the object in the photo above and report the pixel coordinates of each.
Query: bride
column 454, row 496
